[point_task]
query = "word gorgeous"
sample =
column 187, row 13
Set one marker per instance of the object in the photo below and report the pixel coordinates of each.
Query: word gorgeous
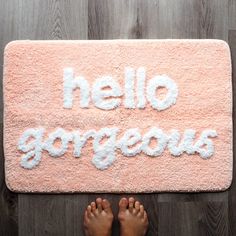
column 131, row 144
column 106, row 94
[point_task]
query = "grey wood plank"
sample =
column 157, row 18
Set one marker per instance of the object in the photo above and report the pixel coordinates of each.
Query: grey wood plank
column 212, row 19
column 112, row 19
column 8, row 200
column 41, row 214
column 232, row 14
column 52, row 19
column 232, row 192
column 75, row 206
column 158, row 19
column 193, row 218
column 197, row 197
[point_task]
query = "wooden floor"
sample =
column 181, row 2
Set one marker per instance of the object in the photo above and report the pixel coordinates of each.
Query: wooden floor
column 180, row 214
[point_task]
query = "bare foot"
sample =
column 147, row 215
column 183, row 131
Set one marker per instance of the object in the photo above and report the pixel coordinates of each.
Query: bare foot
column 98, row 218
column 133, row 218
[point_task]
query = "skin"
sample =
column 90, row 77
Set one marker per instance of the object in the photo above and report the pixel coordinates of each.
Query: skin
column 133, row 218
column 98, row 218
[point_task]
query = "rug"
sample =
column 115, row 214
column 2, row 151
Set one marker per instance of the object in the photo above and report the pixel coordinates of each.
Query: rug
column 117, row 116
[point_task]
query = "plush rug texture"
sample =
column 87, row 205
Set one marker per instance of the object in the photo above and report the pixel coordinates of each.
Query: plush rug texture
column 117, row 116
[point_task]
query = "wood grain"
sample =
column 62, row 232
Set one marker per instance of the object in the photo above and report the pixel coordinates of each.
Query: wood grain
column 193, row 218
column 180, row 214
column 232, row 190
column 8, row 200
column 232, row 14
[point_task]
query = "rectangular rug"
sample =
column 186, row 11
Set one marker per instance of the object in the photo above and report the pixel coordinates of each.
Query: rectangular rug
column 117, row 116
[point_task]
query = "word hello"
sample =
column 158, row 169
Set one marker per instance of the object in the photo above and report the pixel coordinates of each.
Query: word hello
column 105, row 143
column 106, row 92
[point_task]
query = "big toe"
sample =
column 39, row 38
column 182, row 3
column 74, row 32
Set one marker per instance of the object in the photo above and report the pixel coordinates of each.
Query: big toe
column 123, row 204
column 99, row 204
column 106, row 205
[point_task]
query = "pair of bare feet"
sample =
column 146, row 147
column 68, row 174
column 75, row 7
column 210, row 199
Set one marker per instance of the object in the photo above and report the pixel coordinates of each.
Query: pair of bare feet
column 98, row 218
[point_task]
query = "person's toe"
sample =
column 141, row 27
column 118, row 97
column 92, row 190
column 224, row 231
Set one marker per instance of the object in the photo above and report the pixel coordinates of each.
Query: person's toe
column 123, row 203
column 86, row 220
column 99, row 204
column 93, row 207
column 131, row 204
column 89, row 211
column 106, row 206
column 137, row 206
column 141, row 211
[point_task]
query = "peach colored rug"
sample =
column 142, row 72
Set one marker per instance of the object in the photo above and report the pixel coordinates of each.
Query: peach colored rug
column 117, row 116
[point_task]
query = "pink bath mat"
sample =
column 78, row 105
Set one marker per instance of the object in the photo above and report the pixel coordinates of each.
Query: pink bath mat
column 117, row 116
